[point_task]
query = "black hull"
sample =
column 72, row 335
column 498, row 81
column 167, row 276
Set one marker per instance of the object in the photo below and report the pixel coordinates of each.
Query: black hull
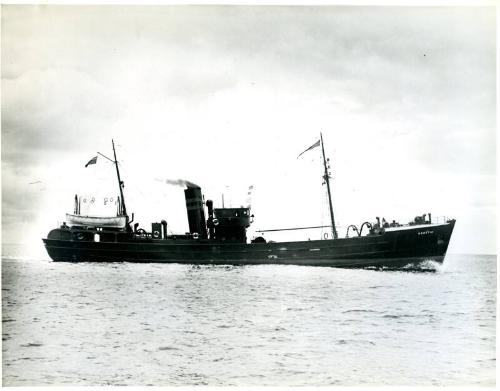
column 396, row 247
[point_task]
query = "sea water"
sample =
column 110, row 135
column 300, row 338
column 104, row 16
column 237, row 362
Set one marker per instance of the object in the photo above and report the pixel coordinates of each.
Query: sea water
column 170, row 324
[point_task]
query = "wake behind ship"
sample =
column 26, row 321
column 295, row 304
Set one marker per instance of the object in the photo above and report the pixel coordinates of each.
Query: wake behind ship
column 221, row 238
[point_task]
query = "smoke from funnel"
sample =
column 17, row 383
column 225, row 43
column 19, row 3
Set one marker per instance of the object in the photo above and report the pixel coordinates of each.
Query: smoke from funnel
column 178, row 182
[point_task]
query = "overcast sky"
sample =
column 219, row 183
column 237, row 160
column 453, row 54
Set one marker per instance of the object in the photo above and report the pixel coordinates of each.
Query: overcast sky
column 228, row 96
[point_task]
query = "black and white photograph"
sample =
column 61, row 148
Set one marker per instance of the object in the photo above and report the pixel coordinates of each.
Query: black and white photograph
column 248, row 195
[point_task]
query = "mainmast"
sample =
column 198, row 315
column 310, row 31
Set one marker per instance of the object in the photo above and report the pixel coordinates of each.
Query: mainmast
column 326, row 177
column 120, row 184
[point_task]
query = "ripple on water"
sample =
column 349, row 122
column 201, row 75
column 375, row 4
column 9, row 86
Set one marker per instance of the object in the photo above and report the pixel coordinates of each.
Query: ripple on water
column 168, row 348
column 31, row 345
column 360, row 311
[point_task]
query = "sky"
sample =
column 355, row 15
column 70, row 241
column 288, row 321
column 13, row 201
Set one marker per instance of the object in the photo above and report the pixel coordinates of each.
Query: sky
column 228, row 96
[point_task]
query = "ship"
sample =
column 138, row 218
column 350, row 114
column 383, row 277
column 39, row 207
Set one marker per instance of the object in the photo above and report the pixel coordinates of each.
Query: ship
column 220, row 237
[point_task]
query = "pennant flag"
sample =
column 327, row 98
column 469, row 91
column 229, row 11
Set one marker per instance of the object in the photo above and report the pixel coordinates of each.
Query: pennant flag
column 316, row 144
column 92, row 161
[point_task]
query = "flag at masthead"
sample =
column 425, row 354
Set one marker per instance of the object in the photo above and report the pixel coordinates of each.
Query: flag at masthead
column 316, row 144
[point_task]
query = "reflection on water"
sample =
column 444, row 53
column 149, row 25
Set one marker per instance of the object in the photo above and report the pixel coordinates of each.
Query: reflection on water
column 139, row 324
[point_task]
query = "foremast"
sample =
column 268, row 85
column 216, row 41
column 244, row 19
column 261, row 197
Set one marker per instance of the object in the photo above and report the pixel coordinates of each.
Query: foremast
column 326, row 177
column 120, row 186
